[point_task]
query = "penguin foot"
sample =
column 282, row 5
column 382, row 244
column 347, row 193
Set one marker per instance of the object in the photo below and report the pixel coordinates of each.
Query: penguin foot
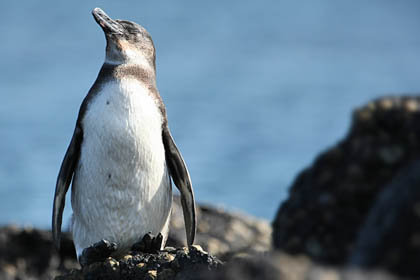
column 149, row 243
column 97, row 252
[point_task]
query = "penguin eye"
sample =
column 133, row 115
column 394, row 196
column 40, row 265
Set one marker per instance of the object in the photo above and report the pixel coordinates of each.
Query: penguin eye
column 129, row 27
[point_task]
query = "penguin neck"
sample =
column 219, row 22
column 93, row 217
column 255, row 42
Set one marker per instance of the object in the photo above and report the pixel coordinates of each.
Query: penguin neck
column 144, row 74
column 128, row 57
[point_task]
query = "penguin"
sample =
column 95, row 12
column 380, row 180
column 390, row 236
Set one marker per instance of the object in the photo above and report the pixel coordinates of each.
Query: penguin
column 122, row 156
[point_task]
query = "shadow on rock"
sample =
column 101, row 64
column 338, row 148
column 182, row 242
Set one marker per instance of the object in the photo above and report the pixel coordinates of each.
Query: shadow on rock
column 390, row 237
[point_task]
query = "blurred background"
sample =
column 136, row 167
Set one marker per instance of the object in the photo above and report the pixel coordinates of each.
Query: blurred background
column 254, row 90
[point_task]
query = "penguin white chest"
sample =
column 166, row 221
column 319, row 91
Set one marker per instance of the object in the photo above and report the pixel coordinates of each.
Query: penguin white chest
column 121, row 188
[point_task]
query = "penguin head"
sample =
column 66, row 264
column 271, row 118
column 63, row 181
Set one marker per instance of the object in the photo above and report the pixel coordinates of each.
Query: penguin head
column 127, row 42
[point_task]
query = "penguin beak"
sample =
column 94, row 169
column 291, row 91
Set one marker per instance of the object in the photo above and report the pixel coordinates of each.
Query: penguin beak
column 109, row 26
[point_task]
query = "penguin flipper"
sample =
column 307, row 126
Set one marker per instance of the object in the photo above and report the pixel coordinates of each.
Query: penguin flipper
column 63, row 182
column 181, row 178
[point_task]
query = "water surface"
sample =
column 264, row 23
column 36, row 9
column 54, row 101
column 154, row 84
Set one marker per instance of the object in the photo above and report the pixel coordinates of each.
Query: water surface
column 254, row 90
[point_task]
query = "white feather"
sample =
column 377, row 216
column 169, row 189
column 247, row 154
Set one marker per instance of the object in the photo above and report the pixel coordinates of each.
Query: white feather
column 121, row 188
column 126, row 54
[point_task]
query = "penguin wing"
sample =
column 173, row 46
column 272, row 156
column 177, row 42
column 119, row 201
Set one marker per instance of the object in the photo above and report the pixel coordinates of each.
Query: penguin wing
column 63, row 182
column 181, row 178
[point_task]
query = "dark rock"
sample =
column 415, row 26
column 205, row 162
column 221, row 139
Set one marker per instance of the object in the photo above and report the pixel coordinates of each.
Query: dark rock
column 29, row 254
column 390, row 237
column 170, row 263
column 330, row 201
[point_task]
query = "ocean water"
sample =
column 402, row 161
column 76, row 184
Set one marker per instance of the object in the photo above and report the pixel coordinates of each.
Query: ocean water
column 254, row 90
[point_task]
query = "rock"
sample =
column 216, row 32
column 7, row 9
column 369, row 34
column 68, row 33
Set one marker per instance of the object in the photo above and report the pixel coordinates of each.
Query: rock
column 330, row 201
column 170, row 263
column 390, row 237
column 221, row 233
column 197, row 264
column 279, row 266
column 29, row 254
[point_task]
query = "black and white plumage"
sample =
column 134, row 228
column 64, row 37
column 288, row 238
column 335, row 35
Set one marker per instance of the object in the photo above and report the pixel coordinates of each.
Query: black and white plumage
column 122, row 155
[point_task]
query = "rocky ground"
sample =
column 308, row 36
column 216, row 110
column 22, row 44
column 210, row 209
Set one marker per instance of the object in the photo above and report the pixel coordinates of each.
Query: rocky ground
column 171, row 263
column 27, row 253
column 354, row 214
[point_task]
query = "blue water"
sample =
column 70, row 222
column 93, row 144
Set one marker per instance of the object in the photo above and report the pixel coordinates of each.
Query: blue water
column 254, row 90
